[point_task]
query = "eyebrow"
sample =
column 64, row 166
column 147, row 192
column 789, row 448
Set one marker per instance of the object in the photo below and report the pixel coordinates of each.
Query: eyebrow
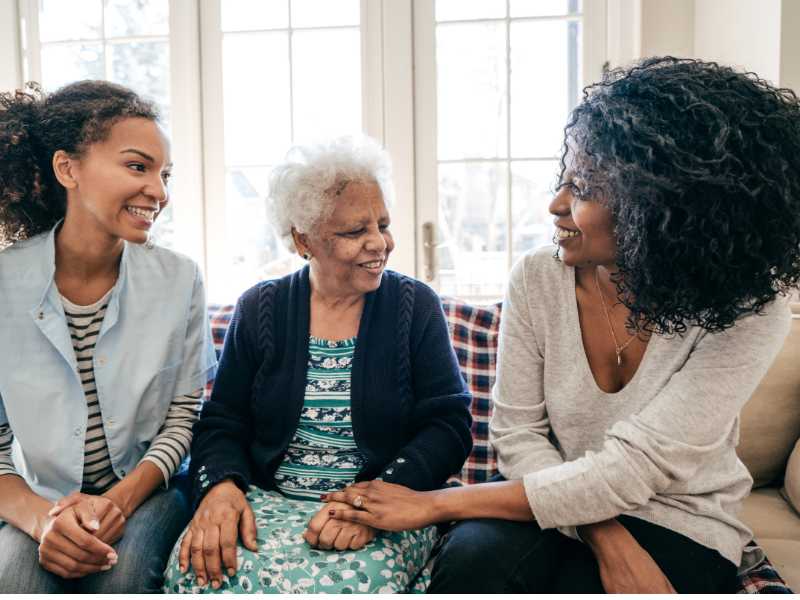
column 144, row 155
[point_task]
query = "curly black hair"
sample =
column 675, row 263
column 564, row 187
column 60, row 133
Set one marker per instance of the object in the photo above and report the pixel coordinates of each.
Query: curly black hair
column 700, row 167
column 33, row 126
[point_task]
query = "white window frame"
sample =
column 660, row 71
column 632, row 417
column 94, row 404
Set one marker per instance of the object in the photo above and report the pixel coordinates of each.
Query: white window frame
column 594, row 52
column 398, row 107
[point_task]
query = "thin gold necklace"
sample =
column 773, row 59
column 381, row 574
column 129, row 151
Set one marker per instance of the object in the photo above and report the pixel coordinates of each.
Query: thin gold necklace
column 617, row 348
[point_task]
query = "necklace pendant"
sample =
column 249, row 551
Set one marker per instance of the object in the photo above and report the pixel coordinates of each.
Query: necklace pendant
column 619, row 359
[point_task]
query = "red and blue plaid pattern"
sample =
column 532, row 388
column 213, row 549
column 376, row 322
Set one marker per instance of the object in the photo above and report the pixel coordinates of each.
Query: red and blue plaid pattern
column 474, row 331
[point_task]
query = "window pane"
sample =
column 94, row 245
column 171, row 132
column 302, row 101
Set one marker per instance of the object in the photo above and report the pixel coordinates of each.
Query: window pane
column 257, row 118
column 473, row 258
column 325, row 13
column 136, row 17
column 327, row 83
column 472, row 91
column 73, row 20
column 544, row 84
column 544, row 8
column 532, row 188
column 453, row 10
column 255, row 252
column 65, row 63
column 143, row 67
column 248, row 15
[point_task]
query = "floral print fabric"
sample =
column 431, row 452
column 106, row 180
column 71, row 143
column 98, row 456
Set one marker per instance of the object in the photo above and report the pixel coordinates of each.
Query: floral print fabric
column 285, row 563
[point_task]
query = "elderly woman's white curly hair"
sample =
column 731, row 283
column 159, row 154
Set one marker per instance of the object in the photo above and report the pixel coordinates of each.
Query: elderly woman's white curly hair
column 302, row 188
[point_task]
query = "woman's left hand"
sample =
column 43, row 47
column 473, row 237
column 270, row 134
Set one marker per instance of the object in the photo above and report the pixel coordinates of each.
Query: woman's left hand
column 99, row 515
column 382, row 505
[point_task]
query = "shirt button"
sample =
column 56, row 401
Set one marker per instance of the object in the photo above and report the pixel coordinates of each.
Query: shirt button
column 400, row 460
column 77, row 432
column 101, row 361
column 389, row 471
column 110, row 421
column 122, row 472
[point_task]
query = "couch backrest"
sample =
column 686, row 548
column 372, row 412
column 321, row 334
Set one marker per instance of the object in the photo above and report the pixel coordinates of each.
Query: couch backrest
column 770, row 422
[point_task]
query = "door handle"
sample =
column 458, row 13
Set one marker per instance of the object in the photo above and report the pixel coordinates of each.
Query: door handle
column 429, row 249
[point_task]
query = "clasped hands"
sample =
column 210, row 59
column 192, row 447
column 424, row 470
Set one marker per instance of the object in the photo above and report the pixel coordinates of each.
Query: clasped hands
column 77, row 535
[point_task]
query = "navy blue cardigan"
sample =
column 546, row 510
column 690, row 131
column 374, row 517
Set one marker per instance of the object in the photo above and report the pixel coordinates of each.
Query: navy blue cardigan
column 410, row 406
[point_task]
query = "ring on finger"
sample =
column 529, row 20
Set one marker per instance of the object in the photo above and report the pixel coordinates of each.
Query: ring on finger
column 358, row 502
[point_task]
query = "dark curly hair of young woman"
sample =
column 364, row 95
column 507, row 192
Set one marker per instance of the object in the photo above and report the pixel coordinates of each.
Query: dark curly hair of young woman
column 33, row 126
column 700, row 166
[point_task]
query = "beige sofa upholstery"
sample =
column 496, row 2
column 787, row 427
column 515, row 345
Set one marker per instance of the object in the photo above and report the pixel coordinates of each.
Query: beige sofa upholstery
column 770, row 428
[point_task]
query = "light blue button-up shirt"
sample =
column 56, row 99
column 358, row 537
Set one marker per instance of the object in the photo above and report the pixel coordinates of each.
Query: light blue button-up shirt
column 155, row 344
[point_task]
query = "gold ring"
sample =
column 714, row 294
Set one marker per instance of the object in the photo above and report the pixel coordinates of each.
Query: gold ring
column 358, row 502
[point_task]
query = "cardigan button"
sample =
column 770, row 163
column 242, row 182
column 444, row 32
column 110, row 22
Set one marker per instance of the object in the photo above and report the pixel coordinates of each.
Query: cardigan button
column 389, row 471
column 400, row 460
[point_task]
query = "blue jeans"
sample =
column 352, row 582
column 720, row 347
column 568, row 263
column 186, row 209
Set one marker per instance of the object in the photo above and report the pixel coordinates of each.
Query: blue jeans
column 149, row 536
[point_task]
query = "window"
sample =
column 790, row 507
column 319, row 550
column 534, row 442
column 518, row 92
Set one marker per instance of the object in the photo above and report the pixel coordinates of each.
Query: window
column 506, row 75
column 468, row 96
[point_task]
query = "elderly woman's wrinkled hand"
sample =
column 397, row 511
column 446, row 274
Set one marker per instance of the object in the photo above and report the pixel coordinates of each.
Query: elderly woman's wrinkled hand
column 327, row 533
column 210, row 542
column 382, row 505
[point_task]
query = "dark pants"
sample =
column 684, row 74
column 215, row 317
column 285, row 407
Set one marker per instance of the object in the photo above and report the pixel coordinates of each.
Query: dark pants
column 485, row 556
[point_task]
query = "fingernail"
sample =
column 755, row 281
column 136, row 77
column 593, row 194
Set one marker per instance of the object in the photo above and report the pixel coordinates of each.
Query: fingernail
column 112, row 556
column 215, row 584
column 94, row 524
column 201, row 581
column 106, row 567
column 52, row 511
column 182, row 568
column 231, row 572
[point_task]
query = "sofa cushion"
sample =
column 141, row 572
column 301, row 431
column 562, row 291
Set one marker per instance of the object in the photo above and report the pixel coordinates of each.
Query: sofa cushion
column 791, row 484
column 770, row 422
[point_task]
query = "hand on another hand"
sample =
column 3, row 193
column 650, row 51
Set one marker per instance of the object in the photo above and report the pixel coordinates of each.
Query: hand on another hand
column 68, row 550
column 327, row 533
column 99, row 515
column 384, row 506
column 223, row 516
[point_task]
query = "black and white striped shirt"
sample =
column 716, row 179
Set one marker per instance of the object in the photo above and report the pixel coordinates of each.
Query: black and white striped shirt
column 168, row 448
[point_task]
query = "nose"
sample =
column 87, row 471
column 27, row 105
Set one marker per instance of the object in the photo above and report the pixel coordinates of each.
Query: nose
column 561, row 202
column 375, row 242
column 156, row 188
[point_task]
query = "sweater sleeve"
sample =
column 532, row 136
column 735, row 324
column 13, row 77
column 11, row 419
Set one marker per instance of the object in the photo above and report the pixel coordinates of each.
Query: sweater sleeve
column 440, row 414
column 223, row 434
column 519, row 428
column 688, row 425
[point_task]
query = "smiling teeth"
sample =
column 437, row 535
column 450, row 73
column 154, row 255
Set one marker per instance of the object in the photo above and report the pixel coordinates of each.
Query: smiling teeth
column 373, row 264
column 566, row 233
column 142, row 212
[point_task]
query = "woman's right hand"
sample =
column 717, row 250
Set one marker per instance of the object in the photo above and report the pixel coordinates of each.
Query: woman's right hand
column 210, row 541
column 69, row 551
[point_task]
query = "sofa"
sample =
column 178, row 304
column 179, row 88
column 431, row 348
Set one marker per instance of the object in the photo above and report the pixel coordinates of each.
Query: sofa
column 770, row 428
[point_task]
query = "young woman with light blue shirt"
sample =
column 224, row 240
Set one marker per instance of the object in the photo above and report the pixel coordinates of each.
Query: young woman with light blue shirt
column 104, row 345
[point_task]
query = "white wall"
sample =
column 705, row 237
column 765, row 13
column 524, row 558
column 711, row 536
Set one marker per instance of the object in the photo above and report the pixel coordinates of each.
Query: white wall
column 667, row 27
column 790, row 45
column 741, row 33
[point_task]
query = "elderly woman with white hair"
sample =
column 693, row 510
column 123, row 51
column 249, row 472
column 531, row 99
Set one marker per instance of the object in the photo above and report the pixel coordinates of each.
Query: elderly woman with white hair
column 340, row 372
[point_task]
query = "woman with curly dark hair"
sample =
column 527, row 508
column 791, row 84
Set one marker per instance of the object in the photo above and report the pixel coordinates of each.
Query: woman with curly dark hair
column 624, row 362
column 104, row 345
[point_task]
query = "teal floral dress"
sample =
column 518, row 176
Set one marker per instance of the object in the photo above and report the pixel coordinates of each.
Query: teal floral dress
column 322, row 457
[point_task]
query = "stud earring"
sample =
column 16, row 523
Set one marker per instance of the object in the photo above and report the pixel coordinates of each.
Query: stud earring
column 306, row 255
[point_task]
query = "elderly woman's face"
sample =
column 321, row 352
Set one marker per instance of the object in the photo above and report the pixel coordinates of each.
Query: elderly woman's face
column 584, row 227
column 351, row 247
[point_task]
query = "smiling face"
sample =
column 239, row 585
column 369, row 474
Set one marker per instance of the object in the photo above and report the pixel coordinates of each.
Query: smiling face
column 584, row 226
column 349, row 250
column 118, row 186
